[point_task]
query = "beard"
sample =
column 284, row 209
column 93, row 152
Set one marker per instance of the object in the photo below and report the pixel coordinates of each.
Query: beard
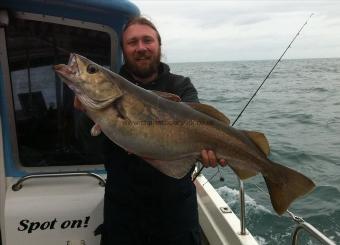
column 143, row 64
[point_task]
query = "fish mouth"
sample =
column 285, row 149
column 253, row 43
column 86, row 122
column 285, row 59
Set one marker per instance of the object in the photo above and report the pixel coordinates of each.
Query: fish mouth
column 72, row 63
column 67, row 74
column 69, row 70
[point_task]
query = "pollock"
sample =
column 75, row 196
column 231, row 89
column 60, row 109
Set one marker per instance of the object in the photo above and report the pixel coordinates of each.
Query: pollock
column 170, row 134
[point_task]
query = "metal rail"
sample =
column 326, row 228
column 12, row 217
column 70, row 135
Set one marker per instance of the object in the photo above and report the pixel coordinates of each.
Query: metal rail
column 303, row 225
column 242, row 208
column 19, row 184
column 242, row 198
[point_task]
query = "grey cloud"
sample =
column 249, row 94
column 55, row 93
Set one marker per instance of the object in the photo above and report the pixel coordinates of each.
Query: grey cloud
column 234, row 30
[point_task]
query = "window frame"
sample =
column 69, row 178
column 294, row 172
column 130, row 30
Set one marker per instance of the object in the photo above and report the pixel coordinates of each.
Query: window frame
column 14, row 159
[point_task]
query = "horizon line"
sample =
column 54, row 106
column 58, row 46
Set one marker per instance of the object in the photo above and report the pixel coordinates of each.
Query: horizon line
column 236, row 60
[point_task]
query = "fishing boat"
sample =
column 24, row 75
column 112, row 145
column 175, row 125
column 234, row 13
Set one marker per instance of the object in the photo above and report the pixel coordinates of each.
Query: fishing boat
column 51, row 190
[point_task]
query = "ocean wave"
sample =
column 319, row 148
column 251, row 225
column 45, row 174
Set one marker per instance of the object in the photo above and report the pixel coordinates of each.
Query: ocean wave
column 324, row 201
column 231, row 196
column 334, row 119
column 318, row 89
column 261, row 240
column 303, row 118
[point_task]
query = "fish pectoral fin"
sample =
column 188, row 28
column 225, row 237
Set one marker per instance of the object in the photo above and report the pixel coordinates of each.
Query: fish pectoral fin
column 96, row 130
column 260, row 140
column 210, row 111
column 175, row 169
column 285, row 185
column 168, row 96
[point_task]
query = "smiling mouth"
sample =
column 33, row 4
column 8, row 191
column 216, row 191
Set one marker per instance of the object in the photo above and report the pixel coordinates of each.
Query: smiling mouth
column 142, row 59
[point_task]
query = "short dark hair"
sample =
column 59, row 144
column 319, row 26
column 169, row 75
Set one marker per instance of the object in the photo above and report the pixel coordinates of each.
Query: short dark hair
column 141, row 20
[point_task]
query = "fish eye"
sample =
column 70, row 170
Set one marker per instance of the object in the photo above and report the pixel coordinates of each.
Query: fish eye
column 92, row 68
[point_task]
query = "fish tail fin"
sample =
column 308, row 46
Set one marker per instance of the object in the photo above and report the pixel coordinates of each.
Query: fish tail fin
column 285, row 185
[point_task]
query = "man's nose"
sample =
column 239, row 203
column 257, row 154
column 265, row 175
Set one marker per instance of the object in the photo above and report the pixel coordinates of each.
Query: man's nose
column 141, row 46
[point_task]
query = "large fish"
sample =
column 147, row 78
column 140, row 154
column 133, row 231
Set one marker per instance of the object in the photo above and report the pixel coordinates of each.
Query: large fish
column 170, row 134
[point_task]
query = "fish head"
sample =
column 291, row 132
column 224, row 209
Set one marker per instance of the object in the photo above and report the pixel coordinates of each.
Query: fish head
column 93, row 84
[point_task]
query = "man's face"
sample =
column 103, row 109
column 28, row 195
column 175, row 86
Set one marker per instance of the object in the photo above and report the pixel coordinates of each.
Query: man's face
column 141, row 50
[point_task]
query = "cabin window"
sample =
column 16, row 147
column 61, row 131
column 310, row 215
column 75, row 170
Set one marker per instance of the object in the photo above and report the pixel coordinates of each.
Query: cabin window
column 50, row 132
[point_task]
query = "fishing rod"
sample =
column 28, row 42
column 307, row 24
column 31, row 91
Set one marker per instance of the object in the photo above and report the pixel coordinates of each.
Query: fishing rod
column 265, row 79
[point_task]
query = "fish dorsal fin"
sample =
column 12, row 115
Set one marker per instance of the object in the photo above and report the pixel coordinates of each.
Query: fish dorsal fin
column 168, row 96
column 260, row 140
column 210, row 111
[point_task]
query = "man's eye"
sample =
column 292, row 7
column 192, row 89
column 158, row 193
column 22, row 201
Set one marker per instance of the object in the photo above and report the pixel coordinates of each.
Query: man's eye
column 92, row 68
column 132, row 43
column 148, row 40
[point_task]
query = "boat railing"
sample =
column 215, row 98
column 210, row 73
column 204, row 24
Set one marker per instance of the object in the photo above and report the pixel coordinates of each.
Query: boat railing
column 242, row 208
column 301, row 223
column 19, row 184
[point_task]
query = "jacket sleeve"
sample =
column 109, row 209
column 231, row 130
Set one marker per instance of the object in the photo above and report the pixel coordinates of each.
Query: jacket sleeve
column 185, row 89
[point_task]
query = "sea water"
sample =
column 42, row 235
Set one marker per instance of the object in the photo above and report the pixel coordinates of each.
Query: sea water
column 298, row 109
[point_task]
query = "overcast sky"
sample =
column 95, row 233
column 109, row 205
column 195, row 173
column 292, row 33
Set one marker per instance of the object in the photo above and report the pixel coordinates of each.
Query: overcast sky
column 244, row 30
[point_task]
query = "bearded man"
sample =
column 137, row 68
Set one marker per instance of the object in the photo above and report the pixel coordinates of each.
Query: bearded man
column 142, row 206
